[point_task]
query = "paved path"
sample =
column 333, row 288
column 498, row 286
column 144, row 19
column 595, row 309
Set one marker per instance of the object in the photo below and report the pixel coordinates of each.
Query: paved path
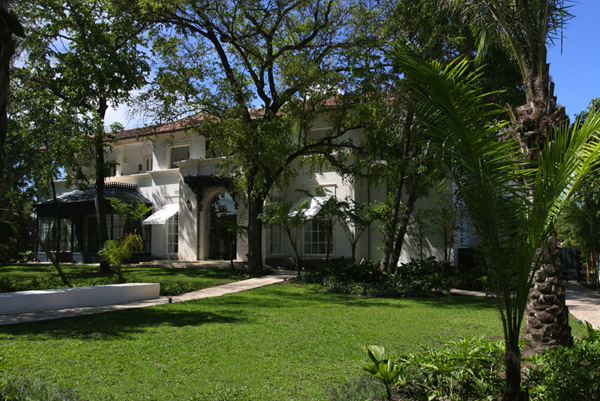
column 583, row 303
column 229, row 288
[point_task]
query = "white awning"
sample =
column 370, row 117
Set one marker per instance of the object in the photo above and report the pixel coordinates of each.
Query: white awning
column 163, row 214
column 313, row 206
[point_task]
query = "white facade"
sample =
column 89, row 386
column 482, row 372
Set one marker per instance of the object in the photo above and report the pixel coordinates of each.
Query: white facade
column 158, row 165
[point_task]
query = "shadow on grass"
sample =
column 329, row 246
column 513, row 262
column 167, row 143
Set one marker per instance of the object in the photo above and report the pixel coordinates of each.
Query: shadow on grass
column 458, row 301
column 295, row 295
column 106, row 326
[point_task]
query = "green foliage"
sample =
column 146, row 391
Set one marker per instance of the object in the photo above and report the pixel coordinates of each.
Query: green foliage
column 579, row 226
column 566, row 374
column 512, row 204
column 291, row 220
column 471, row 279
column 117, row 252
column 263, row 74
column 415, row 279
column 591, row 334
column 473, row 369
column 467, row 369
column 383, row 369
column 130, row 211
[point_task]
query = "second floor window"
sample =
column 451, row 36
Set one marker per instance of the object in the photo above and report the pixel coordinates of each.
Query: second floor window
column 147, row 163
column 178, row 154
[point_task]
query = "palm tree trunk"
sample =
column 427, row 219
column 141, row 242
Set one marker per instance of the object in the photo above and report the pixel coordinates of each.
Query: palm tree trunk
column 547, row 316
column 512, row 361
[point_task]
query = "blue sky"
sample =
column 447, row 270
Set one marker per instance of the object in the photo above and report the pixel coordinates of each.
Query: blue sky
column 576, row 72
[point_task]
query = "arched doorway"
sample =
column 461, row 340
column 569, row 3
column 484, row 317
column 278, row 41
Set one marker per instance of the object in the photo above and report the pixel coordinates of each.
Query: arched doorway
column 222, row 220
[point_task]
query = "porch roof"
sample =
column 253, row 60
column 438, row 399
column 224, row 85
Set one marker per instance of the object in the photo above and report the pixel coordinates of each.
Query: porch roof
column 81, row 202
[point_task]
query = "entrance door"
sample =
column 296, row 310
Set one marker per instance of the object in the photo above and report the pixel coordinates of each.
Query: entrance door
column 222, row 238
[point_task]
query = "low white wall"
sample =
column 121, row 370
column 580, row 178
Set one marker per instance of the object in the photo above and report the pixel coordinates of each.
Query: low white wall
column 65, row 298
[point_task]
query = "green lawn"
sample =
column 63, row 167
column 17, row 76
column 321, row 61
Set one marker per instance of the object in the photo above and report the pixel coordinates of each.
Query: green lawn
column 173, row 280
column 283, row 342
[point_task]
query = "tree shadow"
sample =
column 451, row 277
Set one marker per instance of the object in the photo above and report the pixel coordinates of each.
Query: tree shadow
column 306, row 296
column 455, row 301
column 106, row 326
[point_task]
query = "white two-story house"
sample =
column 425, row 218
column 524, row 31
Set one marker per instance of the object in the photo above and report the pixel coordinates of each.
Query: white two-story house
column 167, row 167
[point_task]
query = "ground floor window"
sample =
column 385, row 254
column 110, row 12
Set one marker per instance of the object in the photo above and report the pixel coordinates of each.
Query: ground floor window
column 63, row 238
column 222, row 228
column 276, row 240
column 173, row 234
column 315, row 236
column 276, row 245
column 80, row 233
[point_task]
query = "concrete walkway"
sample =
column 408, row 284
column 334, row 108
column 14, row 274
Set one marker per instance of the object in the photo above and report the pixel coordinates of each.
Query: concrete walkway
column 229, row 288
column 583, row 303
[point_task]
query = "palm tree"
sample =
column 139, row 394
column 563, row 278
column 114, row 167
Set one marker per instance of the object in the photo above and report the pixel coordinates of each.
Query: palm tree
column 526, row 27
column 512, row 201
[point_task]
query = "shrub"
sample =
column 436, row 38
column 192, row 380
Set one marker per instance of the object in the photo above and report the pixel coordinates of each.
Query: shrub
column 473, row 369
column 465, row 369
column 176, row 288
column 469, row 369
column 417, row 278
column 566, row 373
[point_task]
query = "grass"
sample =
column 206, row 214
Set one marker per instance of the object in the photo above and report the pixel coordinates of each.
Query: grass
column 283, row 342
column 173, row 281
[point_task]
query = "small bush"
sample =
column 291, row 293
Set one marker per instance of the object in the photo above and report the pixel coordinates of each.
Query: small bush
column 460, row 370
column 566, row 373
column 417, row 278
column 176, row 288
column 474, row 279
column 473, row 369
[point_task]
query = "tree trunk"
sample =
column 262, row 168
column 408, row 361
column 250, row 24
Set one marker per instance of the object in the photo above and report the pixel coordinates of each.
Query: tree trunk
column 547, row 316
column 255, row 209
column 387, row 264
column 297, row 255
column 7, row 50
column 46, row 250
column 409, row 207
column 99, row 181
column 512, row 360
column 388, row 245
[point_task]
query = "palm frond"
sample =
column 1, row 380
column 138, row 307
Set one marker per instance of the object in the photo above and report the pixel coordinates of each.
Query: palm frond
column 513, row 206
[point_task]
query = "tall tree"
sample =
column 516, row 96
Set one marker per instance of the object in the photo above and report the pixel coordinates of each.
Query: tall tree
column 260, row 72
column 527, row 27
column 10, row 29
column 580, row 224
column 513, row 203
column 393, row 134
column 87, row 53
